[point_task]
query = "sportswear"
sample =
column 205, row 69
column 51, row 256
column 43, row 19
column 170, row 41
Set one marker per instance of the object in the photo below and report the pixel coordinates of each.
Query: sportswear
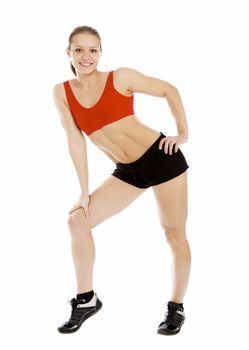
column 153, row 167
column 111, row 107
column 85, row 297
column 80, row 312
column 174, row 318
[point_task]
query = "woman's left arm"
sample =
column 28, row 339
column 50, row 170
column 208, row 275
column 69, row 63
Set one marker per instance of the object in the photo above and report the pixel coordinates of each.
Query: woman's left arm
column 138, row 82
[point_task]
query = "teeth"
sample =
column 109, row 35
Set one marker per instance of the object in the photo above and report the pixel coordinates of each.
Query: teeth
column 85, row 64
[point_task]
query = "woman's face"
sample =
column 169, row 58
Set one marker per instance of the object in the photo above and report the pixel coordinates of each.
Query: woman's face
column 85, row 53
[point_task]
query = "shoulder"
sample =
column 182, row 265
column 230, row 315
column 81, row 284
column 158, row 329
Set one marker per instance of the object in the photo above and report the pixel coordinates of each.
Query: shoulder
column 124, row 76
column 128, row 75
column 58, row 91
column 125, row 72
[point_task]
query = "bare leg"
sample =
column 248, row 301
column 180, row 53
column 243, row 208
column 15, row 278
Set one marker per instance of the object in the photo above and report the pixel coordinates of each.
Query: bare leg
column 171, row 198
column 112, row 196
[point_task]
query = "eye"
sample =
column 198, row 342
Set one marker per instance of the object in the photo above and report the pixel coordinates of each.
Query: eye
column 77, row 49
column 93, row 50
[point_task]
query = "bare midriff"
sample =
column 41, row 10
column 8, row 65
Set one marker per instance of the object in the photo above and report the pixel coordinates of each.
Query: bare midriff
column 125, row 140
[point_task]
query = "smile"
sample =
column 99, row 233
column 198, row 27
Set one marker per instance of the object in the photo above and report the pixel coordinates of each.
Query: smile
column 85, row 64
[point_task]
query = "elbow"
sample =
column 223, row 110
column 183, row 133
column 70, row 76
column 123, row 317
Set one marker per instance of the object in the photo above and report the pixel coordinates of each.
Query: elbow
column 74, row 135
column 170, row 90
column 75, row 139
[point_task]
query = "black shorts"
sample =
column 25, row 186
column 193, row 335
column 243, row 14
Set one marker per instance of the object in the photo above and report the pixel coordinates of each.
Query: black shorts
column 153, row 167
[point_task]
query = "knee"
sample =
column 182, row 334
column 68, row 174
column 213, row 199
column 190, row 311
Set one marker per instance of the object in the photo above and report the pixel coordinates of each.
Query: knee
column 175, row 235
column 78, row 223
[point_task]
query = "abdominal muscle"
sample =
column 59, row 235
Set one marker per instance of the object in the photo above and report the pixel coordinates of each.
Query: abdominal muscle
column 125, row 140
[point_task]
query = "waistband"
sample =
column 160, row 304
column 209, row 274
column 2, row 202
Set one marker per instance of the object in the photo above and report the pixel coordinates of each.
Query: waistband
column 144, row 156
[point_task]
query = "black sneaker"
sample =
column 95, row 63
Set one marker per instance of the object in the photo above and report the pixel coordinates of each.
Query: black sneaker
column 173, row 320
column 80, row 312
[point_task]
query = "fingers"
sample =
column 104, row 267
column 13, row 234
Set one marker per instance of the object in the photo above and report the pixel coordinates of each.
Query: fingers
column 82, row 202
column 73, row 209
column 169, row 143
column 86, row 210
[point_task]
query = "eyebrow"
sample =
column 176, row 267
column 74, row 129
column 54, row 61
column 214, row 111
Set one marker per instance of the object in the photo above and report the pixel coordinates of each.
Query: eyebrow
column 83, row 46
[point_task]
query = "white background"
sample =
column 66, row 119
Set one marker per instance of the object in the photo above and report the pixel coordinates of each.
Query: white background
column 201, row 48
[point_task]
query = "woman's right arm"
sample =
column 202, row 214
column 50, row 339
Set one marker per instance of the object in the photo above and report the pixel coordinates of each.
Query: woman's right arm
column 75, row 138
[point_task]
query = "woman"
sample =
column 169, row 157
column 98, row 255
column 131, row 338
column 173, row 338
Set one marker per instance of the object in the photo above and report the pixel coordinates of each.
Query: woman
column 101, row 105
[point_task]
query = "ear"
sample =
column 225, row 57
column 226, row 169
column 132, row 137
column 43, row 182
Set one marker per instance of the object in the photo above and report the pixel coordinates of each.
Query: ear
column 68, row 52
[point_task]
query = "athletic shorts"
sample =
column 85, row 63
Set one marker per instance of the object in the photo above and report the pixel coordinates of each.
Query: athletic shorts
column 153, row 167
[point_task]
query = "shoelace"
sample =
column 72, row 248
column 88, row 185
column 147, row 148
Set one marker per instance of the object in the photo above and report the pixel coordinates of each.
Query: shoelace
column 172, row 317
column 76, row 313
column 73, row 302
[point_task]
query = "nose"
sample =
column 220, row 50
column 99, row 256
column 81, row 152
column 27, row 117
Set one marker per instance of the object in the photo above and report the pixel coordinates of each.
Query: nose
column 86, row 55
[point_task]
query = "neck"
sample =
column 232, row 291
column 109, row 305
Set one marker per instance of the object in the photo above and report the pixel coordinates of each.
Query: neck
column 88, row 80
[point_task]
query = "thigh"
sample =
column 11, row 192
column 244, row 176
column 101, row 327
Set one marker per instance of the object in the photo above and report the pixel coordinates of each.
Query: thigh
column 111, row 197
column 172, row 201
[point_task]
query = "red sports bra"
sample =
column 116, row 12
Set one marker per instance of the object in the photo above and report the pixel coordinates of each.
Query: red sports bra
column 111, row 107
